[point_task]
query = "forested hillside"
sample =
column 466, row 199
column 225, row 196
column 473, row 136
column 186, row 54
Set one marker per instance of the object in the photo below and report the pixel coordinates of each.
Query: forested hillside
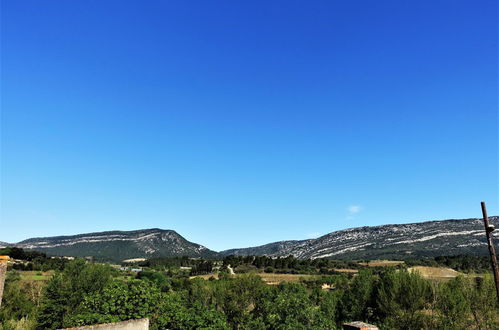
column 119, row 245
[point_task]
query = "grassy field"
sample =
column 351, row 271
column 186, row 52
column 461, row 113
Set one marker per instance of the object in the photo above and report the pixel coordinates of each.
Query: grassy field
column 435, row 273
column 36, row 275
column 345, row 270
column 274, row 279
column 381, row 263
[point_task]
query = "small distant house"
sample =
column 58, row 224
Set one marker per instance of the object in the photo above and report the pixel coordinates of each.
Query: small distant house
column 329, row 287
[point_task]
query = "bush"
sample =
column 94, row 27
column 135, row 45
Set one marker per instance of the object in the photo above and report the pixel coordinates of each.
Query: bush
column 67, row 289
column 269, row 269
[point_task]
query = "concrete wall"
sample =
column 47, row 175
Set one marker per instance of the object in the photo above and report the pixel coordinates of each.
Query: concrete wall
column 141, row 324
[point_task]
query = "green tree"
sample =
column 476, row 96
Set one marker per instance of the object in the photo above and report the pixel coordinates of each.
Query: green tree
column 289, row 306
column 484, row 307
column 67, row 289
column 16, row 302
column 357, row 302
column 122, row 301
column 454, row 305
column 401, row 297
column 236, row 296
column 465, row 302
column 118, row 301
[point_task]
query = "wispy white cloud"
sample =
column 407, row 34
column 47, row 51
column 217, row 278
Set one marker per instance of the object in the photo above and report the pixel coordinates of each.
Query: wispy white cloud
column 353, row 209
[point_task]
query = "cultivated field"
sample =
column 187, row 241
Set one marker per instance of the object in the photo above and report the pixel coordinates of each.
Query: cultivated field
column 381, row 263
column 274, row 279
column 436, row 273
column 345, row 270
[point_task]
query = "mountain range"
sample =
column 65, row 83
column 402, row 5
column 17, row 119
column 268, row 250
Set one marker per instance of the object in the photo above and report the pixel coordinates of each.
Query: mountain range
column 119, row 245
column 422, row 239
column 399, row 241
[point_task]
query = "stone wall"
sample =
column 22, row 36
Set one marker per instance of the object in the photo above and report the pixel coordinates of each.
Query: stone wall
column 3, row 274
column 359, row 326
column 141, row 324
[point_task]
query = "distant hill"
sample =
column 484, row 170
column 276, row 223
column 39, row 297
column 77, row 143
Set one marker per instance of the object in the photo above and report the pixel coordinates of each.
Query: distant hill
column 119, row 245
column 423, row 239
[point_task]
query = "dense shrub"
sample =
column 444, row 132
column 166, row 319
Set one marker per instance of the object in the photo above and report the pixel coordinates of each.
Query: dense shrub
column 85, row 293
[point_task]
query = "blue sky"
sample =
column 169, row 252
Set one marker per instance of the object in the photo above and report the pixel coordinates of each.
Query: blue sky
column 242, row 123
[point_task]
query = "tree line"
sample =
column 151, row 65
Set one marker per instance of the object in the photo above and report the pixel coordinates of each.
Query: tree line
column 33, row 260
column 88, row 293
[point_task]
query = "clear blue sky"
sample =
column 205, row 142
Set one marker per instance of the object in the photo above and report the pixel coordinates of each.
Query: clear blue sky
column 238, row 123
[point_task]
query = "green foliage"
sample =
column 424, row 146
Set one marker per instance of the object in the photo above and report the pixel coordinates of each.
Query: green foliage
column 453, row 304
column 287, row 265
column 357, row 302
column 21, row 324
column 164, row 263
column 401, row 297
column 290, row 306
column 462, row 263
column 34, row 260
column 236, row 296
column 175, row 314
column 157, row 278
column 269, row 269
column 21, row 254
column 84, row 294
column 121, row 301
column 245, row 268
column 484, row 307
column 118, row 301
column 468, row 302
column 66, row 290
column 16, row 302
column 202, row 267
